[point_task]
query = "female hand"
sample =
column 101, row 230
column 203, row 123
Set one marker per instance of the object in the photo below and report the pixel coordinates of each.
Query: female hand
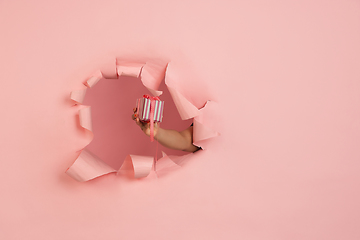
column 145, row 127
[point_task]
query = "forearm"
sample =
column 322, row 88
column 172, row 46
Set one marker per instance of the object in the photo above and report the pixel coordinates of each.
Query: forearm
column 176, row 140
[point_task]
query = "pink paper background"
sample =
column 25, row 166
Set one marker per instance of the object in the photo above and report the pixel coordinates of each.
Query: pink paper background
column 285, row 73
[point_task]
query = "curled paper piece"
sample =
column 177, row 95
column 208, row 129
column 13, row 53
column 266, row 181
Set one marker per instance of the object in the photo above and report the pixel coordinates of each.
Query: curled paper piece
column 85, row 118
column 129, row 69
column 152, row 74
column 94, row 79
column 180, row 160
column 185, row 108
column 203, row 130
column 88, row 166
column 202, row 133
column 138, row 166
column 78, row 96
column 165, row 165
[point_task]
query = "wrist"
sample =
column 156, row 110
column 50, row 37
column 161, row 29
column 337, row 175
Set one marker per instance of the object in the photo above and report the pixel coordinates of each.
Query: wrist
column 157, row 133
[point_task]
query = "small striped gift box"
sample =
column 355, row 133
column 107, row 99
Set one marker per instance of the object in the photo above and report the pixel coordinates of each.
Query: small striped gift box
column 144, row 108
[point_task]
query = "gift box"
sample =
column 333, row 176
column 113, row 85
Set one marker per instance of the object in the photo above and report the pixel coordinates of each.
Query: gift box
column 146, row 105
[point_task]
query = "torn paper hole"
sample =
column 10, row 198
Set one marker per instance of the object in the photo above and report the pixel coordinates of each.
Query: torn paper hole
column 89, row 166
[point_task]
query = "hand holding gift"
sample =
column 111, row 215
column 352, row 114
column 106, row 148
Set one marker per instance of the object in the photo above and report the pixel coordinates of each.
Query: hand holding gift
column 145, row 126
column 148, row 116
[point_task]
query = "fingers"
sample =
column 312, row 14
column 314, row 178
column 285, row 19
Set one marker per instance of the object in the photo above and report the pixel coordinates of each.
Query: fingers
column 141, row 124
column 134, row 116
column 145, row 126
